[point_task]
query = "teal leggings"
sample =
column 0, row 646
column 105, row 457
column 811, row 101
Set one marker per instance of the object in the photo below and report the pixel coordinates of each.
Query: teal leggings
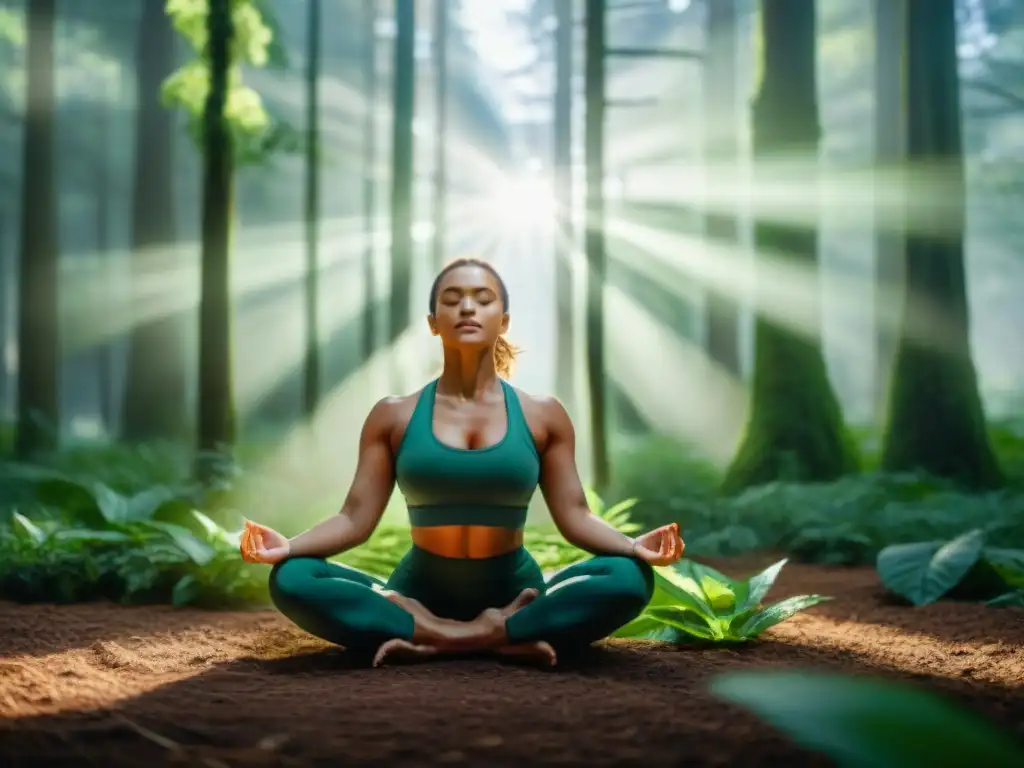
column 577, row 606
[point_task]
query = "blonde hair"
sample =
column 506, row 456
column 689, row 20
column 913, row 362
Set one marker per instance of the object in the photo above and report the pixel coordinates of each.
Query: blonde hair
column 505, row 352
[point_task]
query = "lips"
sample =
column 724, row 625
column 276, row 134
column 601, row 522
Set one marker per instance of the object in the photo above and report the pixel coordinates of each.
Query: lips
column 468, row 324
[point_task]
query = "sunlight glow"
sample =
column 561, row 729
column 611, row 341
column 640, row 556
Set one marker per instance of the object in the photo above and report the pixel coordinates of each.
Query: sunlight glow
column 522, row 201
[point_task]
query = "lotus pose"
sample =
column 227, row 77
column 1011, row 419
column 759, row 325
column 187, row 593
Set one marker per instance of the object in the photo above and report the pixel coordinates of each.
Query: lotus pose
column 467, row 452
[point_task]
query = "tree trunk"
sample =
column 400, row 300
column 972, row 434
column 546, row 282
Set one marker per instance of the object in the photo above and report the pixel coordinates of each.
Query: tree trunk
column 38, row 320
column 404, row 100
column 105, row 349
column 795, row 427
column 311, row 374
column 440, row 129
column 721, row 136
column 370, row 179
column 216, row 407
column 565, row 358
column 937, row 422
column 594, row 78
column 155, row 384
column 889, row 155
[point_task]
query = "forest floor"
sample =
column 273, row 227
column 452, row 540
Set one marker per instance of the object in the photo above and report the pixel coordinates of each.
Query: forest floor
column 106, row 685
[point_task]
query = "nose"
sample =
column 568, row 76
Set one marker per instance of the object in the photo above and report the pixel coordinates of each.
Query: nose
column 467, row 307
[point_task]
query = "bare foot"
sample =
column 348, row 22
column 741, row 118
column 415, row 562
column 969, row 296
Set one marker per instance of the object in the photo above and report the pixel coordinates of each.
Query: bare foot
column 524, row 598
column 402, row 650
column 538, row 652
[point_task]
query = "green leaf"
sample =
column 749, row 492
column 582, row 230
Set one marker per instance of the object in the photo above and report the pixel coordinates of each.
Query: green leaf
column 76, row 500
column 720, row 595
column 776, row 614
column 924, row 572
column 198, row 551
column 683, row 590
column 112, row 505
column 860, row 722
column 144, row 505
column 86, row 534
column 1013, row 599
column 690, row 622
column 185, row 591
column 642, row 626
column 759, row 585
column 28, row 528
column 1008, row 563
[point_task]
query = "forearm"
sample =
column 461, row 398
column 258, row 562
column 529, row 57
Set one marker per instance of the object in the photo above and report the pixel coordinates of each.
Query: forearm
column 592, row 534
column 331, row 537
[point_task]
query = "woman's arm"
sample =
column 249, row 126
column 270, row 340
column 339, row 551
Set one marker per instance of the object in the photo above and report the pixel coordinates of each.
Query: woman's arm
column 371, row 488
column 560, row 484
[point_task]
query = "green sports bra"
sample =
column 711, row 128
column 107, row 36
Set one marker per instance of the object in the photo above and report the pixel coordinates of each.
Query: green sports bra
column 443, row 485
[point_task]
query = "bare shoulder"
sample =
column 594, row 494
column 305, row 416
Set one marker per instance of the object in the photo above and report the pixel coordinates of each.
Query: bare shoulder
column 545, row 414
column 390, row 416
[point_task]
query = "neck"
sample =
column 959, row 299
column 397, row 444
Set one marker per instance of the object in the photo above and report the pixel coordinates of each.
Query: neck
column 468, row 372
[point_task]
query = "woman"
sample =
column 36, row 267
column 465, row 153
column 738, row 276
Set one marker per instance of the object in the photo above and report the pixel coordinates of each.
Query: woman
column 468, row 452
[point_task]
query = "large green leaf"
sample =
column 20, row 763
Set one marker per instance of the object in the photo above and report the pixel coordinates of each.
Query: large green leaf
column 1008, row 563
column 759, row 585
column 683, row 590
column 862, row 723
column 690, row 622
column 776, row 614
column 924, row 572
column 198, row 551
column 28, row 529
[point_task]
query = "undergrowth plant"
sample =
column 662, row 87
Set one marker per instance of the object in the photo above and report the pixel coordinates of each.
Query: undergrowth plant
column 965, row 567
column 694, row 602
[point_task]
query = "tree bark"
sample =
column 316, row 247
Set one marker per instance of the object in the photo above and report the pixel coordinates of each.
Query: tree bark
column 155, row 383
column 565, row 315
column 312, row 363
column 440, row 130
column 795, row 428
column 721, row 135
column 404, row 97
column 889, row 157
column 937, row 422
column 216, row 406
column 38, row 318
column 369, row 340
column 594, row 78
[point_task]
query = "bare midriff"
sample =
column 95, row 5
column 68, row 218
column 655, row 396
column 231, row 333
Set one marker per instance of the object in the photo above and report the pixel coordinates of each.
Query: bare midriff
column 467, row 541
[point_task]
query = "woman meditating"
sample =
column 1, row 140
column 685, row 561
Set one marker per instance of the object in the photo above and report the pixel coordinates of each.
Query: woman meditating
column 467, row 452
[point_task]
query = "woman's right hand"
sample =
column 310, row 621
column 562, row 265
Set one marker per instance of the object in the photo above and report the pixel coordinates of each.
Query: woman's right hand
column 261, row 544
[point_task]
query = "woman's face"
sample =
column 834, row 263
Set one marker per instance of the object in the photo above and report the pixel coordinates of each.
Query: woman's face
column 469, row 310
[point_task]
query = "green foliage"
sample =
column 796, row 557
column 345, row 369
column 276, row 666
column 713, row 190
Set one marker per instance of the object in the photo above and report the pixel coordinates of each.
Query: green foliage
column 862, row 723
column 925, row 571
column 256, row 135
column 695, row 602
column 845, row 522
column 87, row 541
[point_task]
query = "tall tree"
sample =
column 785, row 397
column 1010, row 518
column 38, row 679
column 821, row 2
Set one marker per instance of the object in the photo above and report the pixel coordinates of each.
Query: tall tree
column 369, row 178
column 936, row 422
column 102, row 162
column 38, row 321
column 404, row 105
column 216, row 407
column 721, row 157
column 890, row 131
column 311, row 373
column 440, row 129
column 597, row 259
column 795, row 427
column 154, row 396
column 565, row 357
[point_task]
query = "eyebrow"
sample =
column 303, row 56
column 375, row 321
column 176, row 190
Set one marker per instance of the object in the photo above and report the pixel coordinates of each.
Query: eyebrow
column 455, row 289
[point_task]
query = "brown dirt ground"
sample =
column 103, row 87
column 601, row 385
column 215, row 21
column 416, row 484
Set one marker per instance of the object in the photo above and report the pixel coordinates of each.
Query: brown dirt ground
column 106, row 685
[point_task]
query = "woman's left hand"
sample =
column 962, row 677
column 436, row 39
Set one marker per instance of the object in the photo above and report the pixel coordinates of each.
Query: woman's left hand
column 662, row 546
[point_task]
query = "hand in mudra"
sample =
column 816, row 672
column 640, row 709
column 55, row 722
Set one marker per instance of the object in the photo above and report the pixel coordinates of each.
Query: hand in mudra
column 662, row 546
column 261, row 544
